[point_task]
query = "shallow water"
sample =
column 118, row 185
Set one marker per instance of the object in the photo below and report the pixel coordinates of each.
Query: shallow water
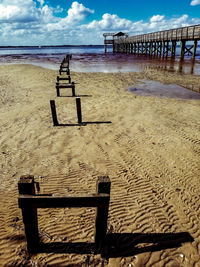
column 152, row 88
column 93, row 59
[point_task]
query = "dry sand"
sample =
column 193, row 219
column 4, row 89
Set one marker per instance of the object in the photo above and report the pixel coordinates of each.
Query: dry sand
column 151, row 151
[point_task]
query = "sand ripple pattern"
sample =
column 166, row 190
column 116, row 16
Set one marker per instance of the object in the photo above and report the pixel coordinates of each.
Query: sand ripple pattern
column 151, row 152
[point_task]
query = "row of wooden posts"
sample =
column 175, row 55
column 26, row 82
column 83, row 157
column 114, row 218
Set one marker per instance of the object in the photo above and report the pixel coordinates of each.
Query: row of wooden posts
column 29, row 201
column 156, row 48
column 65, row 82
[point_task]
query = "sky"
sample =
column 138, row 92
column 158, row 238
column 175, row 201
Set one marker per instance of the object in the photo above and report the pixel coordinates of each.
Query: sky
column 65, row 22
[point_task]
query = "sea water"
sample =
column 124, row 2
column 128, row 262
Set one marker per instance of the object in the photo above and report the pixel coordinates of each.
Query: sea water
column 93, row 59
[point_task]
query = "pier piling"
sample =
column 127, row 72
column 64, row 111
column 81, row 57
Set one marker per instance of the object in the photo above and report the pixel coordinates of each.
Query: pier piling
column 162, row 43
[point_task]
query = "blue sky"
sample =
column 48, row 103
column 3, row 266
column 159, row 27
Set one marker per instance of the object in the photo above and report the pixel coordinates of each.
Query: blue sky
column 50, row 22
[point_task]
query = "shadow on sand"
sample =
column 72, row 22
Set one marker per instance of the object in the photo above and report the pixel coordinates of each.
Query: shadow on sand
column 83, row 123
column 75, row 96
column 122, row 245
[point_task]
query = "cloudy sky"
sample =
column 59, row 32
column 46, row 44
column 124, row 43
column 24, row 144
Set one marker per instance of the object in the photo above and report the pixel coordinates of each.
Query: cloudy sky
column 62, row 22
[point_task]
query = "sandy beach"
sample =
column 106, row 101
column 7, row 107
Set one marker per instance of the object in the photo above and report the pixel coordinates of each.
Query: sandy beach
column 150, row 150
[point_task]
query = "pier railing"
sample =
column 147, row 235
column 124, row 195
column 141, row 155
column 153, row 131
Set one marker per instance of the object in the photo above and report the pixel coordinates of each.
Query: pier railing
column 184, row 33
column 161, row 43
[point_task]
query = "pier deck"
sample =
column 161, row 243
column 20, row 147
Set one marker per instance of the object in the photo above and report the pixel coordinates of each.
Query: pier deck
column 159, row 43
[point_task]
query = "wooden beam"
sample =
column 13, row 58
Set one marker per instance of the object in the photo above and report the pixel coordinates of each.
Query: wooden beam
column 65, row 85
column 30, row 202
column 26, row 185
column 53, row 112
column 29, row 213
column 194, row 49
column 182, row 49
column 54, row 201
column 63, row 79
column 103, row 187
column 78, row 107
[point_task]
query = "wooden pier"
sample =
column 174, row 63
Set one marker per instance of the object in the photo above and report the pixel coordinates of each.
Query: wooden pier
column 112, row 38
column 161, row 43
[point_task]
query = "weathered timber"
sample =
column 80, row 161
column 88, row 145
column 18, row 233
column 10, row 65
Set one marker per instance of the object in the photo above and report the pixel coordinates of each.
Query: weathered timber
column 56, row 201
column 63, row 79
column 78, row 108
column 103, row 187
column 111, row 41
column 65, row 85
column 68, row 56
column 30, row 202
column 29, row 213
column 182, row 49
column 194, row 50
column 156, row 42
column 67, row 70
column 26, row 185
column 189, row 33
column 53, row 112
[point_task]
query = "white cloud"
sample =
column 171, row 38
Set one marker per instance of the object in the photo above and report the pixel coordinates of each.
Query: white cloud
column 77, row 12
column 41, row 2
column 18, row 10
column 157, row 18
column 25, row 23
column 110, row 22
column 195, row 2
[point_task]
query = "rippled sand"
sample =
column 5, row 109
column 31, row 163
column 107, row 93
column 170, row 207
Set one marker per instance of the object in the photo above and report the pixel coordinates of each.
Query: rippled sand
column 151, row 151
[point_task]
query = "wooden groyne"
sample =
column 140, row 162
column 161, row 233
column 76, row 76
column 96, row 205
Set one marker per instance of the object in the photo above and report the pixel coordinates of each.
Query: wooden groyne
column 29, row 202
column 161, row 43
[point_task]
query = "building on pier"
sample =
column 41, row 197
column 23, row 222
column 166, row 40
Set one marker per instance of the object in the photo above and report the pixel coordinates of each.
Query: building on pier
column 162, row 43
column 112, row 38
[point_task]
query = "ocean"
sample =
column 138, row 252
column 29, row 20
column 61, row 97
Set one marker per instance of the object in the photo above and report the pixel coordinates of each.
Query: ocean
column 93, row 59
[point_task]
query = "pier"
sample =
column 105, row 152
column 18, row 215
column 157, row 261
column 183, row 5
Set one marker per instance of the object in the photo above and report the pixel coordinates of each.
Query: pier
column 113, row 37
column 161, row 43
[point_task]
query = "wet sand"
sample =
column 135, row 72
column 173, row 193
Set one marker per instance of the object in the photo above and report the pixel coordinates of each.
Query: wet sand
column 151, row 151
column 153, row 88
column 89, row 60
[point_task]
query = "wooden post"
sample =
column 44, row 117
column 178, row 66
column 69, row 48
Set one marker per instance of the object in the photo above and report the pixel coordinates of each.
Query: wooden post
column 53, row 112
column 57, row 90
column 63, row 79
column 78, row 107
column 161, row 47
column 154, row 48
column 142, row 47
column 105, row 46
column 29, row 202
column 29, row 213
column 146, row 48
column 194, row 49
column 173, row 49
column 131, row 48
column 138, row 48
column 103, row 186
column 182, row 49
column 151, row 48
column 73, row 89
column 135, row 47
column 167, row 49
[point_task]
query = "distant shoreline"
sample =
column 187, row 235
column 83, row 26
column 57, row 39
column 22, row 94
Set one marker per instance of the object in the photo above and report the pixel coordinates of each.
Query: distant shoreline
column 46, row 46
